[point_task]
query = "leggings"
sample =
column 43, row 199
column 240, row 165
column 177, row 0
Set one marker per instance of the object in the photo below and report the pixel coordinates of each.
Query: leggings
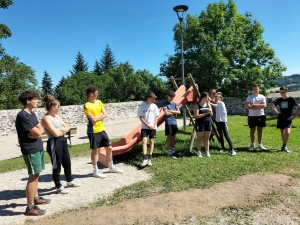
column 223, row 129
column 57, row 149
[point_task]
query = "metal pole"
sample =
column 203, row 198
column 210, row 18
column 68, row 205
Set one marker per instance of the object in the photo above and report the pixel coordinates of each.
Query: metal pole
column 182, row 70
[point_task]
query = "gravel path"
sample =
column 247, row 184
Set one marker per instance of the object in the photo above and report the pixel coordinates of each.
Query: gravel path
column 12, row 189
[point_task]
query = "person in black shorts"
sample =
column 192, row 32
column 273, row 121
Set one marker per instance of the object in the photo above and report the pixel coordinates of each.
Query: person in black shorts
column 212, row 100
column 285, row 117
column 29, row 131
column 203, row 123
column 171, row 110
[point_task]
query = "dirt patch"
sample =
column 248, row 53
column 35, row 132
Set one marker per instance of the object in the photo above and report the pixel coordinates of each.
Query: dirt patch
column 175, row 207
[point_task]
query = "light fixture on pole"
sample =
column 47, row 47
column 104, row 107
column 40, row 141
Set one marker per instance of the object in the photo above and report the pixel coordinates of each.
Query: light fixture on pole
column 181, row 9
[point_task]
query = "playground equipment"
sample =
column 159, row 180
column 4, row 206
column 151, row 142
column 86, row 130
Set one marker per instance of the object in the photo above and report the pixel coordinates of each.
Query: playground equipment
column 131, row 139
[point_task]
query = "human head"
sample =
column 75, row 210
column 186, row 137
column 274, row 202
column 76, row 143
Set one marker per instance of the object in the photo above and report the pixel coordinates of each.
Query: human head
column 203, row 95
column 151, row 97
column 170, row 95
column 92, row 93
column 212, row 93
column 51, row 102
column 27, row 96
column 255, row 89
column 283, row 91
column 219, row 96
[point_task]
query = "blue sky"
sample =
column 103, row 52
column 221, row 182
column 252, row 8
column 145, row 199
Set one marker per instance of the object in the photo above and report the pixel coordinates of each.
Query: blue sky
column 47, row 35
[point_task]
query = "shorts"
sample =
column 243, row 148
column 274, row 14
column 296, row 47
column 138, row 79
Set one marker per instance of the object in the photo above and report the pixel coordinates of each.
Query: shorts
column 257, row 121
column 98, row 140
column 171, row 129
column 202, row 126
column 35, row 162
column 284, row 123
column 150, row 133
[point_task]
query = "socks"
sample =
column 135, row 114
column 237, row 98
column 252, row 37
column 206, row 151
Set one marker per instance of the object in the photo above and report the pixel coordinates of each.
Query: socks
column 145, row 157
column 111, row 164
column 283, row 145
column 36, row 197
column 30, row 207
column 96, row 168
column 149, row 157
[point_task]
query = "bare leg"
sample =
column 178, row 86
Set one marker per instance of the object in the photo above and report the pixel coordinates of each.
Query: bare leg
column 94, row 156
column 286, row 135
column 252, row 132
column 206, row 140
column 151, row 146
column 31, row 188
column 200, row 136
column 144, row 145
column 109, row 157
column 259, row 134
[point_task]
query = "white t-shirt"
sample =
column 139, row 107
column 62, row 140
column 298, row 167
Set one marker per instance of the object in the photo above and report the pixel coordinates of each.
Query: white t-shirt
column 148, row 113
column 259, row 99
column 221, row 112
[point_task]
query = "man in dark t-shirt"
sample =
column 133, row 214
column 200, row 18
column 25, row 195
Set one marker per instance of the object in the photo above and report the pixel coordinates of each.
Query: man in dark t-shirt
column 29, row 131
column 284, row 122
column 171, row 110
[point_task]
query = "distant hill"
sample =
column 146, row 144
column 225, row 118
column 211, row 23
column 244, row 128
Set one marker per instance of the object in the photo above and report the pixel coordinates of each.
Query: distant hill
column 292, row 82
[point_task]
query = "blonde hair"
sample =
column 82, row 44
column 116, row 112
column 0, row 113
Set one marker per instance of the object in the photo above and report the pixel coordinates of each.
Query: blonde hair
column 50, row 101
column 219, row 95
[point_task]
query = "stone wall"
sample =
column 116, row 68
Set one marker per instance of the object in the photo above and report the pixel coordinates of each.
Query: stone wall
column 73, row 115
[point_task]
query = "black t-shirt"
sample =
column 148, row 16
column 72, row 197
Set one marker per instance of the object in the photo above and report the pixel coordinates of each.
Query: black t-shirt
column 286, row 106
column 25, row 122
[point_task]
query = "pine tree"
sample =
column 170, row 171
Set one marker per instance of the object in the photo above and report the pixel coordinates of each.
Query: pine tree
column 107, row 61
column 47, row 84
column 97, row 68
column 80, row 64
column 56, row 90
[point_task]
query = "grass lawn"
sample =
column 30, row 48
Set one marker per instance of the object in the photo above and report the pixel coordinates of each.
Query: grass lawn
column 189, row 171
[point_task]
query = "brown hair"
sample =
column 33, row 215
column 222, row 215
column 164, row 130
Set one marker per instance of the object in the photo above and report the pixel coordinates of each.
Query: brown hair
column 50, row 101
column 27, row 95
column 212, row 91
column 91, row 89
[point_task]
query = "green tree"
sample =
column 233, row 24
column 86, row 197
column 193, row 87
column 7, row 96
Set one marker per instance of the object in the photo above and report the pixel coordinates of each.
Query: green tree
column 47, row 86
column 97, row 69
column 60, row 84
column 71, row 90
column 224, row 50
column 80, row 64
column 107, row 61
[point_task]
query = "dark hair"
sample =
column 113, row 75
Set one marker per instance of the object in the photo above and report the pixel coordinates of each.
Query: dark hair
column 27, row 95
column 49, row 101
column 91, row 89
column 203, row 95
column 255, row 85
column 283, row 88
column 171, row 93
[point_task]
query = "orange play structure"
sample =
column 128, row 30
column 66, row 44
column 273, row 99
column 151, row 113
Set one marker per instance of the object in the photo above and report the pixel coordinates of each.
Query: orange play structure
column 131, row 139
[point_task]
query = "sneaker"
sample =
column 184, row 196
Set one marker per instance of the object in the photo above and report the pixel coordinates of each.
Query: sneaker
column 221, row 151
column 261, row 147
column 149, row 162
column 99, row 174
column 62, row 190
column 73, row 184
column 233, row 153
column 34, row 211
column 41, row 201
column 207, row 154
column 252, row 146
column 199, row 154
column 145, row 162
column 115, row 169
column 173, row 157
column 285, row 149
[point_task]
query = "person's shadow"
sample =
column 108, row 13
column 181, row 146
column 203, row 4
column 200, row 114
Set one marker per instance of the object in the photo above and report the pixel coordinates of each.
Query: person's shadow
column 6, row 211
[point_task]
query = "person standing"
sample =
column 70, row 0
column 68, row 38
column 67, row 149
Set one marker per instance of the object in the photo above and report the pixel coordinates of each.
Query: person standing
column 212, row 101
column 57, row 146
column 29, row 131
column 95, row 113
column 203, row 123
column 171, row 110
column 256, row 103
column 148, row 113
column 221, row 123
column 285, row 116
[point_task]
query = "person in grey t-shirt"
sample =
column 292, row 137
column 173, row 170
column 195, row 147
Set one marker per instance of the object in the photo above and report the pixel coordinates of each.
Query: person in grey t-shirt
column 256, row 103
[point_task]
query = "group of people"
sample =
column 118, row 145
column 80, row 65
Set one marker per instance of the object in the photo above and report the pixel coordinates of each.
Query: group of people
column 29, row 131
column 208, row 110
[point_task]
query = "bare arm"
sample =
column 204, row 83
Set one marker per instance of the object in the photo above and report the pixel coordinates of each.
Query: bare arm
column 297, row 113
column 196, row 112
column 275, row 109
column 36, row 132
column 65, row 127
column 95, row 119
column 144, row 122
column 47, row 123
column 171, row 112
column 260, row 106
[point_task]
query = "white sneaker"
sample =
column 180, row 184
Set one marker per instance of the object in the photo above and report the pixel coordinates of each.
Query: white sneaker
column 233, row 153
column 115, row 169
column 207, row 154
column 73, row 184
column 252, row 146
column 221, row 151
column 199, row 154
column 145, row 162
column 285, row 149
column 261, row 147
column 99, row 174
column 62, row 190
column 149, row 162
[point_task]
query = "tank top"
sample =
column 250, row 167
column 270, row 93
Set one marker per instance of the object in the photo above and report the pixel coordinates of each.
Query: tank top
column 57, row 124
column 201, row 110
